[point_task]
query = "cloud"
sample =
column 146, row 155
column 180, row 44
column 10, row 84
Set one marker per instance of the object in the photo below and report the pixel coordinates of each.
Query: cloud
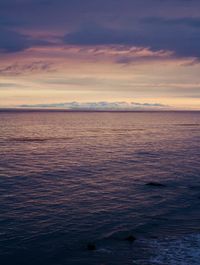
column 159, row 25
column 158, row 34
column 12, row 41
column 20, row 69
column 171, row 25
column 193, row 22
column 92, row 34
column 181, row 35
column 9, row 85
column 104, row 105
column 120, row 54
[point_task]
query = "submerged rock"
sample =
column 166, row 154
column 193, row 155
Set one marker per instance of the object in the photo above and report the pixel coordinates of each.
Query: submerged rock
column 91, row 246
column 155, row 184
column 130, row 238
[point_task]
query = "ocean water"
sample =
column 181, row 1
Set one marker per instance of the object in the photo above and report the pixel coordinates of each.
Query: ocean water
column 71, row 178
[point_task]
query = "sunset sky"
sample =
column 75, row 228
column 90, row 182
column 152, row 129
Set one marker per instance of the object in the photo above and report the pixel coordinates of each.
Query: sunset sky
column 143, row 51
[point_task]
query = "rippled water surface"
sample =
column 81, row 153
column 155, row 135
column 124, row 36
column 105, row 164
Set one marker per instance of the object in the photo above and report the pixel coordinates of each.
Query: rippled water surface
column 70, row 178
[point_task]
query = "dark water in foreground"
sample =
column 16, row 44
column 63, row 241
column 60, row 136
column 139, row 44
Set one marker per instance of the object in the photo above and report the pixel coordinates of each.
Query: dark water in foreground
column 67, row 179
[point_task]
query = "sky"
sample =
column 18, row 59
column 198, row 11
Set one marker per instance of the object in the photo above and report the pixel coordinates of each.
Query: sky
column 123, row 52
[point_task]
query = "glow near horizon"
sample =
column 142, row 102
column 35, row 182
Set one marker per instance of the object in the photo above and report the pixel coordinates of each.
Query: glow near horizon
column 165, row 80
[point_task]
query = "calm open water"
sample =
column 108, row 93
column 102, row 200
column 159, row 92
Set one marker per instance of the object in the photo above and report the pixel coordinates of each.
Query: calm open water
column 70, row 178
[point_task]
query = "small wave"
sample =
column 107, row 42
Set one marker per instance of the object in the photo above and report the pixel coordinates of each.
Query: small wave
column 188, row 124
column 27, row 139
column 147, row 154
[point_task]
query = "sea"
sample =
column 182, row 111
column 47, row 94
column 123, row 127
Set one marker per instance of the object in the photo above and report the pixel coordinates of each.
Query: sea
column 99, row 188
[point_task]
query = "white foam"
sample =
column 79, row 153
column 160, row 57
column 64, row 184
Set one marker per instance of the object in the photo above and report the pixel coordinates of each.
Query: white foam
column 182, row 251
column 104, row 250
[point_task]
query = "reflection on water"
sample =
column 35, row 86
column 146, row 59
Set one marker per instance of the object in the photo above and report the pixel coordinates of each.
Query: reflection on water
column 67, row 179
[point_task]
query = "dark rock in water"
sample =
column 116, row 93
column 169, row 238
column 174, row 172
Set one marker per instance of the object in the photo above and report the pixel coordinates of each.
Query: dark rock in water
column 91, row 246
column 130, row 238
column 155, row 184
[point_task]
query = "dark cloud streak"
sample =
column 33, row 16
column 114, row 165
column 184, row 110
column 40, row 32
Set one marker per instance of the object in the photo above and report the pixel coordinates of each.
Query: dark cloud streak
column 13, row 41
column 34, row 67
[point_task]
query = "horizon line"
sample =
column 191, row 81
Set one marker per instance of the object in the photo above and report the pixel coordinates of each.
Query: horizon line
column 35, row 109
